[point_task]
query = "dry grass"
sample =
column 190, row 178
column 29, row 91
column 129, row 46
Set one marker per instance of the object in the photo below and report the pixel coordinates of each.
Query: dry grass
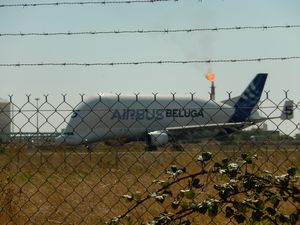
column 72, row 186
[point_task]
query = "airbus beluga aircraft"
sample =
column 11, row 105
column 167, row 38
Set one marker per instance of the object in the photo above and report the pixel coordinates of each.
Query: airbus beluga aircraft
column 159, row 120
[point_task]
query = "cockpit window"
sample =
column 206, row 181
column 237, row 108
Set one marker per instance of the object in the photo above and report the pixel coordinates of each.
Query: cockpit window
column 74, row 114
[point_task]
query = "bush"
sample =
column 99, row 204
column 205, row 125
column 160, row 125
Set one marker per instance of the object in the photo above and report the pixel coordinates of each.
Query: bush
column 242, row 193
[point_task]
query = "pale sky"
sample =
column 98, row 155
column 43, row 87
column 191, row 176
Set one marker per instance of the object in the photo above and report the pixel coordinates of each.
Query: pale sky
column 145, row 79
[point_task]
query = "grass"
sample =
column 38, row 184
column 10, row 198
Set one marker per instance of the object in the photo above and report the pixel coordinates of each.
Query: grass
column 60, row 185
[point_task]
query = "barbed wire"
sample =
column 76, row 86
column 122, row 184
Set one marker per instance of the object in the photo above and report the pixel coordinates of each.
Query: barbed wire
column 164, row 31
column 150, row 62
column 84, row 3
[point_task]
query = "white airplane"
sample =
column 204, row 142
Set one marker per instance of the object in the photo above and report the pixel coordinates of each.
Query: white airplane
column 159, row 120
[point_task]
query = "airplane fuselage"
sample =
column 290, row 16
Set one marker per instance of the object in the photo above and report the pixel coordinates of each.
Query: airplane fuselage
column 158, row 120
column 130, row 117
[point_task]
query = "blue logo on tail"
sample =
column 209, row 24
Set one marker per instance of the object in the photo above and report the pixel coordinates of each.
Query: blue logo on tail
column 249, row 98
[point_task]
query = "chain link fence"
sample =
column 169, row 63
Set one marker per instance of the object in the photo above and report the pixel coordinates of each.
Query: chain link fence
column 43, row 181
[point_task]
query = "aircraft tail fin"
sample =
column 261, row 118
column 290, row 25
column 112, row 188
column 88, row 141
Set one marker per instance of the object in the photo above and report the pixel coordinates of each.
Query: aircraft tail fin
column 287, row 111
column 249, row 98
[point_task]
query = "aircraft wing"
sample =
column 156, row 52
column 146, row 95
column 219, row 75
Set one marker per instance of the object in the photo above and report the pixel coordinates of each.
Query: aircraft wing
column 212, row 130
column 204, row 131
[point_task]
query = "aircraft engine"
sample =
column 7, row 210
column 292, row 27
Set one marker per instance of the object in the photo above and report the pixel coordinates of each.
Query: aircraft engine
column 157, row 138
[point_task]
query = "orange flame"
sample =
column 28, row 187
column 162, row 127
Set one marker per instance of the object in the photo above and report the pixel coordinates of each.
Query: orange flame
column 210, row 76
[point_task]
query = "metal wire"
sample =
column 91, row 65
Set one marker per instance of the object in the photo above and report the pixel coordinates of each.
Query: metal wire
column 84, row 3
column 161, row 31
column 45, row 183
column 160, row 62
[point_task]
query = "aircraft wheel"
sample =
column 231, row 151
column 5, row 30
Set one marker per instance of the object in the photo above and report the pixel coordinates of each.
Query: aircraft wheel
column 177, row 147
column 150, row 148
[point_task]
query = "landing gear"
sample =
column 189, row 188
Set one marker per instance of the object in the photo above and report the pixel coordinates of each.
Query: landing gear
column 86, row 145
column 150, row 148
column 89, row 146
column 177, row 147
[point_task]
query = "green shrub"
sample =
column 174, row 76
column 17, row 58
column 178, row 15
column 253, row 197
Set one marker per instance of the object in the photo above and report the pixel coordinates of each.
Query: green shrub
column 242, row 193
